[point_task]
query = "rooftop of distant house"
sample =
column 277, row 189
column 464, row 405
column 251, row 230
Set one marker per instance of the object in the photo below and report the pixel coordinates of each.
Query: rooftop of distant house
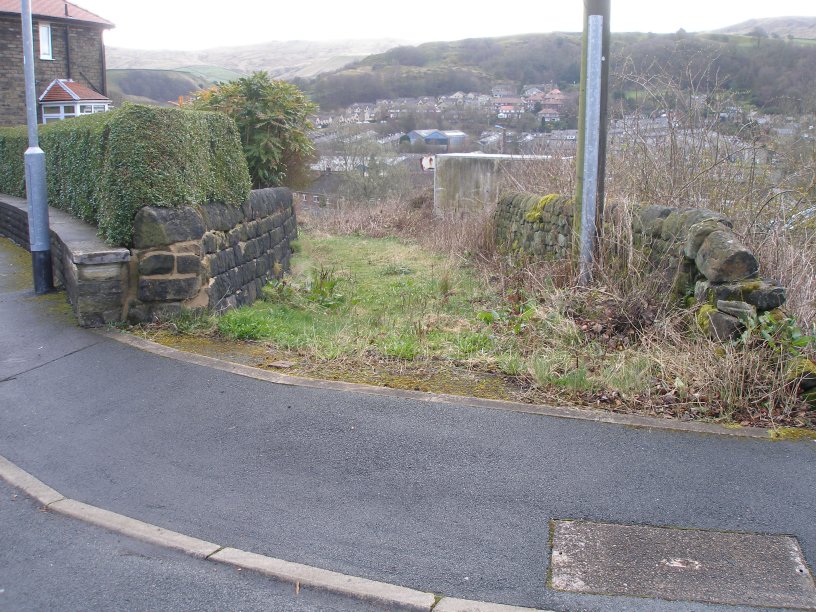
column 56, row 10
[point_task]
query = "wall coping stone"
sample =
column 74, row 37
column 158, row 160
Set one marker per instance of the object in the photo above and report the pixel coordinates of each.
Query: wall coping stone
column 79, row 238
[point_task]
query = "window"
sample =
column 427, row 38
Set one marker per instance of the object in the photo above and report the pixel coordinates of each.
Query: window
column 45, row 41
column 58, row 111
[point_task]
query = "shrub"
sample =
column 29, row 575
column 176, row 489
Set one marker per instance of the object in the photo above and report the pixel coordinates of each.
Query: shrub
column 273, row 120
column 103, row 168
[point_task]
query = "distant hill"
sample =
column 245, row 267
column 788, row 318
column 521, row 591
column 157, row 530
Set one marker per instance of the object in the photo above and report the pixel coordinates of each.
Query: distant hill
column 777, row 72
column 282, row 59
column 152, row 86
column 444, row 67
column 773, row 73
column 794, row 27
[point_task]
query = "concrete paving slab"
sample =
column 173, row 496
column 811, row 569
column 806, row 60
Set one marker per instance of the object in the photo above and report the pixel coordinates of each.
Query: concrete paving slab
column 681, row 564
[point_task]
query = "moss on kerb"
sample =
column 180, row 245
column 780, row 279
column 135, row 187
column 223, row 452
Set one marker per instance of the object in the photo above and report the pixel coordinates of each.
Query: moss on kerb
column 792, row 433
column 535, row 212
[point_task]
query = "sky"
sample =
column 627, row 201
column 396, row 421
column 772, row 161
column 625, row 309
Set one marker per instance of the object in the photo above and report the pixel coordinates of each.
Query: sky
column 201, row 24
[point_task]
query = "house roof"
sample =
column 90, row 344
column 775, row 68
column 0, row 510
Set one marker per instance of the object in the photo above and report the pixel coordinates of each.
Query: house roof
column 65, row 90
column 56, row 9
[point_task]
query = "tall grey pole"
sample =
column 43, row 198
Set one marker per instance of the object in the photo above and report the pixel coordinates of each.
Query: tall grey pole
column 595, row 141
column 591, row 157
column 39, row 235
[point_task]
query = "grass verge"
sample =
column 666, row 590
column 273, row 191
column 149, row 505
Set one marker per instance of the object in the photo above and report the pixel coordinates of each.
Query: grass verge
column 393, row 313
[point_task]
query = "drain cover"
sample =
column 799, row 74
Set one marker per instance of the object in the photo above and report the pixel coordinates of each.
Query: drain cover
column 681, row 564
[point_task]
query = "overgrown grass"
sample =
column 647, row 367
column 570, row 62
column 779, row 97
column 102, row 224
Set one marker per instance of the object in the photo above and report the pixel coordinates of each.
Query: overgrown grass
column 365, row 301
column 350, row 296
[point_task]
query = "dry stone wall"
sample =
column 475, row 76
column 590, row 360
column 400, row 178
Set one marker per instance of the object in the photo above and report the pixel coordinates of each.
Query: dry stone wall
column 215, row 256
column 696, row 251
column 534, row 226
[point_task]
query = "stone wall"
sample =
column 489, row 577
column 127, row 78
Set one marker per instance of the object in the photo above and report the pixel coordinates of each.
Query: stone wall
column 535, row 226
column 93, row 274
column 697, row 251
column 215, row 257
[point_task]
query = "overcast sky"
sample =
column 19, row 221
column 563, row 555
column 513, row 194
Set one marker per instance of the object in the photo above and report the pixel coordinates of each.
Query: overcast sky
column 199, row 24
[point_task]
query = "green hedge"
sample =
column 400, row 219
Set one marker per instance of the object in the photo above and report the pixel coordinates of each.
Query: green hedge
column 103, row 168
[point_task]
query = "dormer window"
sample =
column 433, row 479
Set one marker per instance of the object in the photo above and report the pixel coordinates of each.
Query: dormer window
column 45, row 42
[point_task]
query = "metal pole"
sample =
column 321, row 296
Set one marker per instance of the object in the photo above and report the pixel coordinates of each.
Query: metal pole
column 39, row 235
column 591, row 127
column 591, row 8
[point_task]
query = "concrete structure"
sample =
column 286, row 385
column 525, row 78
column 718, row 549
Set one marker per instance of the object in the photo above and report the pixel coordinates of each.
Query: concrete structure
column 471, row 182
column 67, row 45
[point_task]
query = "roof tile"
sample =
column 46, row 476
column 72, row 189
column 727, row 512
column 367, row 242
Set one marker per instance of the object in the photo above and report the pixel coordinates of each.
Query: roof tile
column 60, row 90
column 56, row 9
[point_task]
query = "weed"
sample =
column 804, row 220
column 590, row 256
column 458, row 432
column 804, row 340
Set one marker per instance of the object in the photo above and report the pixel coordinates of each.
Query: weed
column 394, row 269
column 444, row 287
column 511, row 364
column 192, row 321
column 244, row 324
column 404, row 346
column 470, row 342
column 323, row 288
column 561, row 370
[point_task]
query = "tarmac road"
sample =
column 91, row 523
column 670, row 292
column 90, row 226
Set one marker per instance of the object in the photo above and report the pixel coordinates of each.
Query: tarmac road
column 438, row 497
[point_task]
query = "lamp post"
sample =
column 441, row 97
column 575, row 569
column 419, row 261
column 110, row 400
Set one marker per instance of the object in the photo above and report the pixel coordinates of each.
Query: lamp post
column 589, row 193
column 39, row 236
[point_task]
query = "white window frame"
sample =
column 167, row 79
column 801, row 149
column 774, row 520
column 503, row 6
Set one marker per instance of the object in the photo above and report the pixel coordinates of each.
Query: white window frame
column 67, row 110
column 46, row 49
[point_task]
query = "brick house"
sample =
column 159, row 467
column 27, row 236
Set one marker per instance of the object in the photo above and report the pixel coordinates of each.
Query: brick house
column 67, row 46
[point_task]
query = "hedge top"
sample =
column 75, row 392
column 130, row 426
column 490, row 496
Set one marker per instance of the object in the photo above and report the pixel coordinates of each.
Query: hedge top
column 103, row 168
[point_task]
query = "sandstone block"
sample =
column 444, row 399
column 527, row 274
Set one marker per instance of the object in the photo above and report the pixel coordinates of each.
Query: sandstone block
column 156, row 227
column 741, row 310
column 697, row 234
column 188, row 264
column 156, row 263
column 100, row 272
column 722, row 258
column 722, row 326
column 168, row 289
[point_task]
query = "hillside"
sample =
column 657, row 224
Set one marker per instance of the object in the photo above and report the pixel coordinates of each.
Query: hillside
column 283, row 59
column 153, row 86
column 776, row 74
column 444, row 67
column 784, row 27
